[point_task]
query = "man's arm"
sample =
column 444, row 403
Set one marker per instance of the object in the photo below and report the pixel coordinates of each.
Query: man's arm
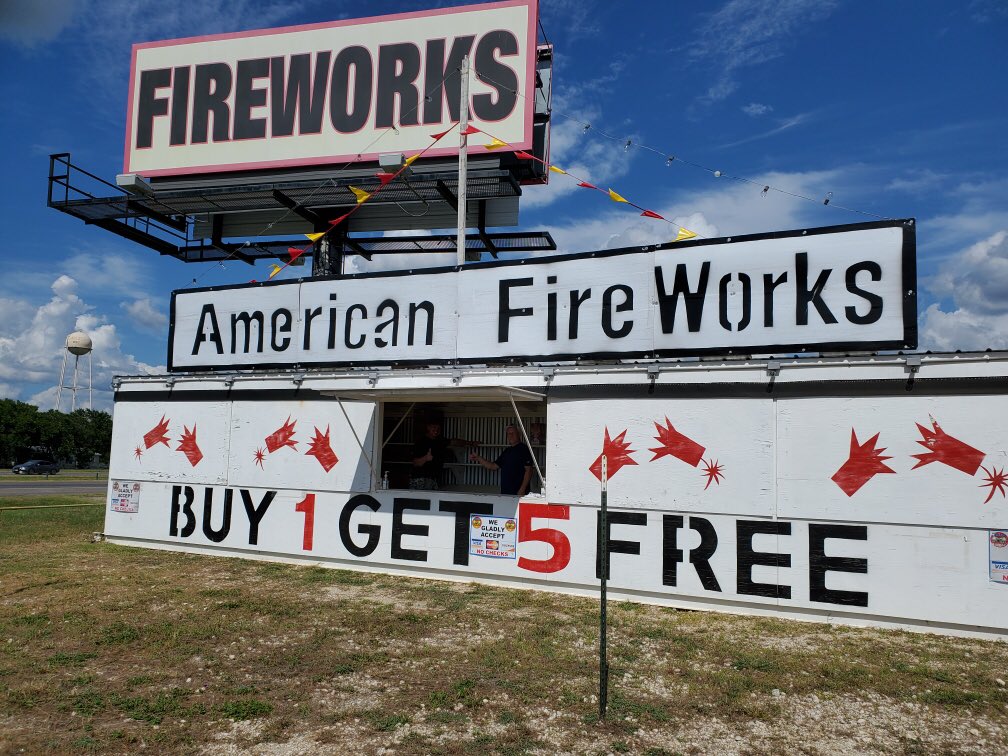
column 474, row 457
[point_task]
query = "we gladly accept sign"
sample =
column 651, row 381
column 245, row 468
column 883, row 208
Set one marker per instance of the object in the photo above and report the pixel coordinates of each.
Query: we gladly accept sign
column 827, row 289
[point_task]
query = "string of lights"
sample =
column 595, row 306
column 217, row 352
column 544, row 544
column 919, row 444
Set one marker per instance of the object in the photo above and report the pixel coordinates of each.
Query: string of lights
column 670, row 158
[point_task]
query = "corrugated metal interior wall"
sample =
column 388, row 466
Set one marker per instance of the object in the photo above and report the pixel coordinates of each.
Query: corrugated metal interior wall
column 481, row 422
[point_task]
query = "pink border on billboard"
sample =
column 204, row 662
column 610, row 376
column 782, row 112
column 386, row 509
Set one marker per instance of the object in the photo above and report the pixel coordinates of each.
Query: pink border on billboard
column 530, row 71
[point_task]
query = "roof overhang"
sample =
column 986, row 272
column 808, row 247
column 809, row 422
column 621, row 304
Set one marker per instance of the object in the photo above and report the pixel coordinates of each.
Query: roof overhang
column 413, row 394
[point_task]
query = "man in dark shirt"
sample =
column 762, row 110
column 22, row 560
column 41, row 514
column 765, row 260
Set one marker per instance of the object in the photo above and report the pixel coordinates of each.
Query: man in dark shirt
column 514, row 463
column 429, row 456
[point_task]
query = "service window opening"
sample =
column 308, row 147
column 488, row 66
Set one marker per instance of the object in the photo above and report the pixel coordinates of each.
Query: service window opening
column 464, row 426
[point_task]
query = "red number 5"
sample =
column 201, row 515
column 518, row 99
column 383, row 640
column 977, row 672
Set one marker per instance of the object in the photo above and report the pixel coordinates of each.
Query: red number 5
column 555, row 538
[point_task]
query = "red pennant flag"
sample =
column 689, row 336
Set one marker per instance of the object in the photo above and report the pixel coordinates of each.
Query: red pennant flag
column 522, row 155
column 441, row 133
column 586, row 185
column 340, row 219
column 385, row 177
column 470, row 129
column 649, row 214
column 295, row 253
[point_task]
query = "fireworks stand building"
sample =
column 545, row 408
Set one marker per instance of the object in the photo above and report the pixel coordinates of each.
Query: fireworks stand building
column 845, row 479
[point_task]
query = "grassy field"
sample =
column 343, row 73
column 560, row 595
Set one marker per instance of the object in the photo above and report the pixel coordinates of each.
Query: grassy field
column 111, row 649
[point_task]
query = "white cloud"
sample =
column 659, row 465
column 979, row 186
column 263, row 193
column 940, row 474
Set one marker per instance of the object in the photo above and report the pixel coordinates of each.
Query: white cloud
column 29, row 23
column 783, row 125
column 915, row 181
column 32, row 347
column 145, row 315
column 756, row 109
column 976, row 281
column 745, row 33
column 108, row 272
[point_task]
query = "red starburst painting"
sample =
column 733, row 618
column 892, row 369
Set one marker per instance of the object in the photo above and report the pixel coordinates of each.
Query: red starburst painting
column 675, row 444
column 282, row 436
column 138, row 452
column 947, row 449
column 863, row 464
column 997, row 481
column 617, row 451
column 713, row 471
column 188, row 446
column 322, row 450
column 158, row 434
column 260, row 455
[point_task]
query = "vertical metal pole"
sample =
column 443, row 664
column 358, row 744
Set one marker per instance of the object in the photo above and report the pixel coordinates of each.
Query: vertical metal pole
column 603, row 540
column 90, row 383
column 463, row 162
column 59, row 391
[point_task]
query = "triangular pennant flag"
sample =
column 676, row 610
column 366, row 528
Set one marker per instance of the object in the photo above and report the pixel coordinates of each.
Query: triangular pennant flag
column 684, row 234
column 440, row 134
column 649, row 214
column 385, row 177
column 275, row 269
column 615, row 197
column 295, row 253
column 522, row 155
column 586, row 185
column 340, row 219
column 412, row 159
column 555, row 169
column 316, row 236
column 495, row 144
column 470, row 129
column 360, row 194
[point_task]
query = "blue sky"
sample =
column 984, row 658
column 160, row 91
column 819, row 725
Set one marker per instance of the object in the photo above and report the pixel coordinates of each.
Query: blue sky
column 897, row 108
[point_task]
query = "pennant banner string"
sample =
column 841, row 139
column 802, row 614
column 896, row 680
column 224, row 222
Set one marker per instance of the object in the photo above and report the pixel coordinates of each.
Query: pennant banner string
column 681, row 233
column 329, row 182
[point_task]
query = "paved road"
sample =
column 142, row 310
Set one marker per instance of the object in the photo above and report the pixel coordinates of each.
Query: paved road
column 52, row 487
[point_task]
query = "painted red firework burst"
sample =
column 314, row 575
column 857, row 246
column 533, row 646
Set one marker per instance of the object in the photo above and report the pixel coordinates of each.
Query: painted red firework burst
column 158, row 434
column 675, row 444
column 996, row 479
column 260, row 455
column 322, row 450
column 618, row 453
column 714, row 472
column 188, row 446
column 138, row 452
column 282, row 436
column 948, row 450
column 863, row 464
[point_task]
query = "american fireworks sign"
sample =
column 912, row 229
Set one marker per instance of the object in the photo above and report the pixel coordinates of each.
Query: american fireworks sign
column 332, row 92
column 826, row 289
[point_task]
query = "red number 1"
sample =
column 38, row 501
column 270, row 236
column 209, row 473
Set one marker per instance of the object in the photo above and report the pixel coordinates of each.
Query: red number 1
column 307, row 505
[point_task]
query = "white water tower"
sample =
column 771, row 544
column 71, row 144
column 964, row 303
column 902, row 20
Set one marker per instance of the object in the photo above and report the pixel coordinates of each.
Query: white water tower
column 78, row 344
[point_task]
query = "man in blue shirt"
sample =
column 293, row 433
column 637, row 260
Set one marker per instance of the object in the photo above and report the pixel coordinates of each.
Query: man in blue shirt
column 514, row 463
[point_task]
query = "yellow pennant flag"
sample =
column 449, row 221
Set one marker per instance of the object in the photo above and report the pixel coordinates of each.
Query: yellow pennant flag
column 315, row 237
column 557, row 169
column 276, row 269
column 684, row 234
column 615, row 197
column 412, row 158
column 360, row 194
column 496, row 144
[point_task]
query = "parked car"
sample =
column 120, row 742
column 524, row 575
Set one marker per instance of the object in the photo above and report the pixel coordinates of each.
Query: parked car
column 35, row 467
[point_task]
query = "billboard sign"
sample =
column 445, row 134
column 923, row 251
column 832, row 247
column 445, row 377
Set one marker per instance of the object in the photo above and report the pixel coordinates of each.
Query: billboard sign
column 827, row 289
column 331, row 92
